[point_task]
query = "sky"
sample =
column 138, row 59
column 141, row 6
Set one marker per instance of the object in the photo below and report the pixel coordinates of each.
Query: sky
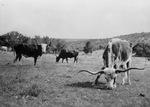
column 75, row 19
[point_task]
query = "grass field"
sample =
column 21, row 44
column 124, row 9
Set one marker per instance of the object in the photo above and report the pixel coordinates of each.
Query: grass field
column 50, row 84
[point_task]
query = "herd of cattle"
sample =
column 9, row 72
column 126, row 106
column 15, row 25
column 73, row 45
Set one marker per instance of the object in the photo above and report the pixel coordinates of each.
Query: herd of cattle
column 116, row 59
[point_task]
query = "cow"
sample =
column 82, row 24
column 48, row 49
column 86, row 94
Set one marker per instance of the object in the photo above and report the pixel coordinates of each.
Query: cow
column 116, row 59
column 4, row 48
column 64, row 54
column 28, row 50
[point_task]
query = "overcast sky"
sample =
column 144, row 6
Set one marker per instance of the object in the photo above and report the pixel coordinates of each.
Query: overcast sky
column 75, row 18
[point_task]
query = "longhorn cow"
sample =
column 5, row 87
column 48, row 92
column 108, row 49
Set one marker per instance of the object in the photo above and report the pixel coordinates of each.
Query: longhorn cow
column 116, row 56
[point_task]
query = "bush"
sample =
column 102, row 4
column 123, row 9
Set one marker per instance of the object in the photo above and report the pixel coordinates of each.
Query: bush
column 142, row 49
column 88, row 47
column 12, row 38
column 56, row 45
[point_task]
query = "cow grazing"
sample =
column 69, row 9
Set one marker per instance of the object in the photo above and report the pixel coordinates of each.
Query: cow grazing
column 64, row 54
column 116, row 56
column 28, row 50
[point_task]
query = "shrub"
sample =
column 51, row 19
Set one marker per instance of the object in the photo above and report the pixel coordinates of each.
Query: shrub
column 142, row 49
column 88, row 47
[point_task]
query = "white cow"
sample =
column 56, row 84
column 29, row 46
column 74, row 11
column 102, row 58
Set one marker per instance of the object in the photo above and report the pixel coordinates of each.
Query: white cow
column 116, row 56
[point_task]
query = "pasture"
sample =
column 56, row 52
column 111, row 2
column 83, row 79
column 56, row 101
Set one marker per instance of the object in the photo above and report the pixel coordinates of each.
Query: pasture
column 50, row 84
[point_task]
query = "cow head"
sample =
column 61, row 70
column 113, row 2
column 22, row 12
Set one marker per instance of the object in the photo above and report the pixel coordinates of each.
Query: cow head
column 57, row 58
column 44, row 47
column 110, row 75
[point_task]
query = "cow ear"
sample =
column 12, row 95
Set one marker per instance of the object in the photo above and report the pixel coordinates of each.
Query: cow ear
column 103, row 68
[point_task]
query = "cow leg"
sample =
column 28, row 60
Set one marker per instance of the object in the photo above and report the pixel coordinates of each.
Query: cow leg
column 114, row 84
column 20, row 58
column 128, row 73
column 17, row 56
column 75, row 59
column 125, row 75
column 67, row 60
column 96, row 81
column 15, row 59
column 62, row 60
column 35, row 60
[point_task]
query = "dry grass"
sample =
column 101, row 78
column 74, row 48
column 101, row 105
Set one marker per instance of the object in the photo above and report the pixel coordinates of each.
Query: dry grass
column 50, row 84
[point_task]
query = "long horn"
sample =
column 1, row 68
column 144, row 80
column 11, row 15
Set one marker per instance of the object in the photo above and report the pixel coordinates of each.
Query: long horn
column 120, row 71
column 93, row 73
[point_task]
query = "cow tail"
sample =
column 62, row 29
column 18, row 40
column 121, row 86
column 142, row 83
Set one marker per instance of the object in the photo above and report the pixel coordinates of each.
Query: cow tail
column 14, row 50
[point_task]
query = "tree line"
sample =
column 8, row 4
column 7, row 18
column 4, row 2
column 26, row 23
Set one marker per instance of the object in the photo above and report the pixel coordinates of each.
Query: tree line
column 53, row 45
column 140, row 41
column 12, row 38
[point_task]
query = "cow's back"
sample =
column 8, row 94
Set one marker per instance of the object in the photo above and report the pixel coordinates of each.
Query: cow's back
column 122, row 50
column 28, row 50
column 116, row 49
column 68, row 53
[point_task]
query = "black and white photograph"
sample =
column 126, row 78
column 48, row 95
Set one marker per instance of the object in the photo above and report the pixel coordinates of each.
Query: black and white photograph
column 74, row 53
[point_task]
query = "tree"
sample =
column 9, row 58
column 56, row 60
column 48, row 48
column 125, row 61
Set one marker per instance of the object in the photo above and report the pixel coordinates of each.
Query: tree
column 38, row 38
column 88, row 47
column 11, row 38
column 61, row 44
column 142, row 49
column 46, row 40
column 56, row 45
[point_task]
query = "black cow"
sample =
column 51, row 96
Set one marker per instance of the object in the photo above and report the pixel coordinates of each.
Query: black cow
column 64, row 54
column 28, row 50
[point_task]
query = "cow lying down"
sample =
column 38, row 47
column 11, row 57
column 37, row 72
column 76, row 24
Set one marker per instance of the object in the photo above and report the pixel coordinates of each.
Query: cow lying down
column 117, row 59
